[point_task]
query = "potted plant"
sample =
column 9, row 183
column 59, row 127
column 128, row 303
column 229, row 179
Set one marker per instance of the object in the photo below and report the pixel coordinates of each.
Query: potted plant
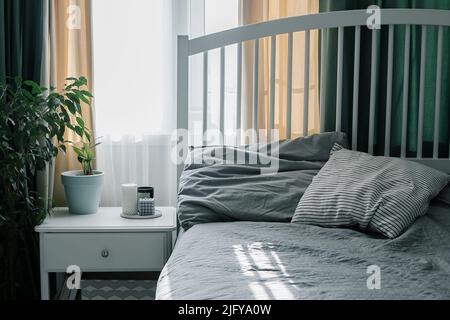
column 83, row 187
column 33, row 121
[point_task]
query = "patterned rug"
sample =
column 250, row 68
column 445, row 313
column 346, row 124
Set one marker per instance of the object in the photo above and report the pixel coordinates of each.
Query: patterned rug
column 118, row 289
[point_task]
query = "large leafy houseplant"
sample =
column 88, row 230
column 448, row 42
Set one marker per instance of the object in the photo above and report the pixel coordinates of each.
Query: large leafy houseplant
column 33, row 122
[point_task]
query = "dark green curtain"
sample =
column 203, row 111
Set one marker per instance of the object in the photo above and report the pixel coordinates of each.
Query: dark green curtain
column 397, row 107
column 21, row 38
column 21, row 44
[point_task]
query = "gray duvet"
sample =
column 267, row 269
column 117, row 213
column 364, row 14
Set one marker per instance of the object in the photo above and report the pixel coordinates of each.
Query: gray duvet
column 214, row 190
column 266, row 260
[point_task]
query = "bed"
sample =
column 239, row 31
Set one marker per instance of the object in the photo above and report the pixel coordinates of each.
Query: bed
column 263, row 260
column 249, row 250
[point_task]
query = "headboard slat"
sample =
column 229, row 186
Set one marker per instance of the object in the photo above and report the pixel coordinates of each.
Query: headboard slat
column 390, row 74
column 356, row 87
column 222, row 93
column 273, row 56
column 373, row 89
column 323, row 82
column 239, row 93
column 406, row 91
column 437, row 118
column 205, row 96
column 289, row 88
column 423, row 61
column 255, row 85
column 340, row 75
column 306, row 83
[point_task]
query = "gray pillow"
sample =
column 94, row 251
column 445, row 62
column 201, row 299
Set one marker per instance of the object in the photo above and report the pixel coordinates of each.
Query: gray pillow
column 381, row 194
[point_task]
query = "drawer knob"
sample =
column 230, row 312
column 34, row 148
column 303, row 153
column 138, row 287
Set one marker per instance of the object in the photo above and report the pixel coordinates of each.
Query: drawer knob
column 105, row 253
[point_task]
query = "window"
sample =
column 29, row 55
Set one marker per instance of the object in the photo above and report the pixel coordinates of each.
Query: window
column 134, row 52
column 133, row 46
column 134, row 49
column 210, row 16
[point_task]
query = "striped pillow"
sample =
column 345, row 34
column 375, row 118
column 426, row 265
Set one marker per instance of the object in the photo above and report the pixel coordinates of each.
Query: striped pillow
column 381, row 194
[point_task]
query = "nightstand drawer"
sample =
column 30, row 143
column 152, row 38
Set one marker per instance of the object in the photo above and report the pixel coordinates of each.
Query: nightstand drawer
column 105, row 251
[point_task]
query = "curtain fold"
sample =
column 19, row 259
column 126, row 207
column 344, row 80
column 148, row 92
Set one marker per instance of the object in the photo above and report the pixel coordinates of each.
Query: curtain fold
column 45, row 177
column 23, row 53
column 21, row 25
column 254, row 11
column 145, row 161
column 397, row 102
column 68, row 54
column 21, row 39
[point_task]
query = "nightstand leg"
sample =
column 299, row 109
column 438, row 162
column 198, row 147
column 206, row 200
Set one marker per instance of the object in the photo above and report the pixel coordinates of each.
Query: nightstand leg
column 45, row 289
column 45, row 283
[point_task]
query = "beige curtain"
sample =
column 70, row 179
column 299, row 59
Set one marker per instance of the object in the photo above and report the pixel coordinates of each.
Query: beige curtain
column 254, row 11
column 45, row 177
column 67, row 54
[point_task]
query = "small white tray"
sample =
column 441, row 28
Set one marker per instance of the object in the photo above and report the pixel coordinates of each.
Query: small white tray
column 157, row 214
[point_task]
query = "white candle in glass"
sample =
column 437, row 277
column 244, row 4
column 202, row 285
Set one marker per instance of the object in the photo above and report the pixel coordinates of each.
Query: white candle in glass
column 129, row 198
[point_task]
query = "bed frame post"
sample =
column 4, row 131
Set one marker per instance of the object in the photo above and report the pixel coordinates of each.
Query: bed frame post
column 182, row 94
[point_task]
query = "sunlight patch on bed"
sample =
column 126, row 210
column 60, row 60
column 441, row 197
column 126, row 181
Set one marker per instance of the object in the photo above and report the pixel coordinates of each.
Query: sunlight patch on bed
column 164, row 285
column 260, row 262
column 258, row 291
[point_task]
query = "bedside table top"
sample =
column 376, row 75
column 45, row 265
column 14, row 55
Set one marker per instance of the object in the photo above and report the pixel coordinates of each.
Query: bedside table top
column 107, row 220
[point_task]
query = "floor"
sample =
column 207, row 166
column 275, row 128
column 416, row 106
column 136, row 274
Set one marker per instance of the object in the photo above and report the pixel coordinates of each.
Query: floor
column 118, row 289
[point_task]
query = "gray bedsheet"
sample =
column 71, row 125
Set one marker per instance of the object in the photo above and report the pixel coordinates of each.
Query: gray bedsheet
column 263, row 260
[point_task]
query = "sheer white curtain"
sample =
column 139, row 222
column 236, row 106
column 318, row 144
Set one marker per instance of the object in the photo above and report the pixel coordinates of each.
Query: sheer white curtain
column 134, row 52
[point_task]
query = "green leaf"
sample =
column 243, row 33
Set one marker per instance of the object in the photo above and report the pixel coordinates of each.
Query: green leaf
column 85, row 100
column 28, row 95
column 87, row 93
column 71, row 106
column 90, row 155
column 81, row 96
column 88, row 135
column 80, row 121
column 18, row 81
column 83, row 80
column 36, row 89
column 79, row 131
column 73, row 97
column 77, row 151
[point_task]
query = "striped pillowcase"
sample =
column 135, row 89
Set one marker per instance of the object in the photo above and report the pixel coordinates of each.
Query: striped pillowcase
column 381, row 194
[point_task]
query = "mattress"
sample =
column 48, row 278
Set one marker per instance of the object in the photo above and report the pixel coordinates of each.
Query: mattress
column 263, row 260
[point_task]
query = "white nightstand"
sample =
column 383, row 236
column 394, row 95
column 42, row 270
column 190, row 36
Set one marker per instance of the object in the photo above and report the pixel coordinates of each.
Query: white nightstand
column 104, row 242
